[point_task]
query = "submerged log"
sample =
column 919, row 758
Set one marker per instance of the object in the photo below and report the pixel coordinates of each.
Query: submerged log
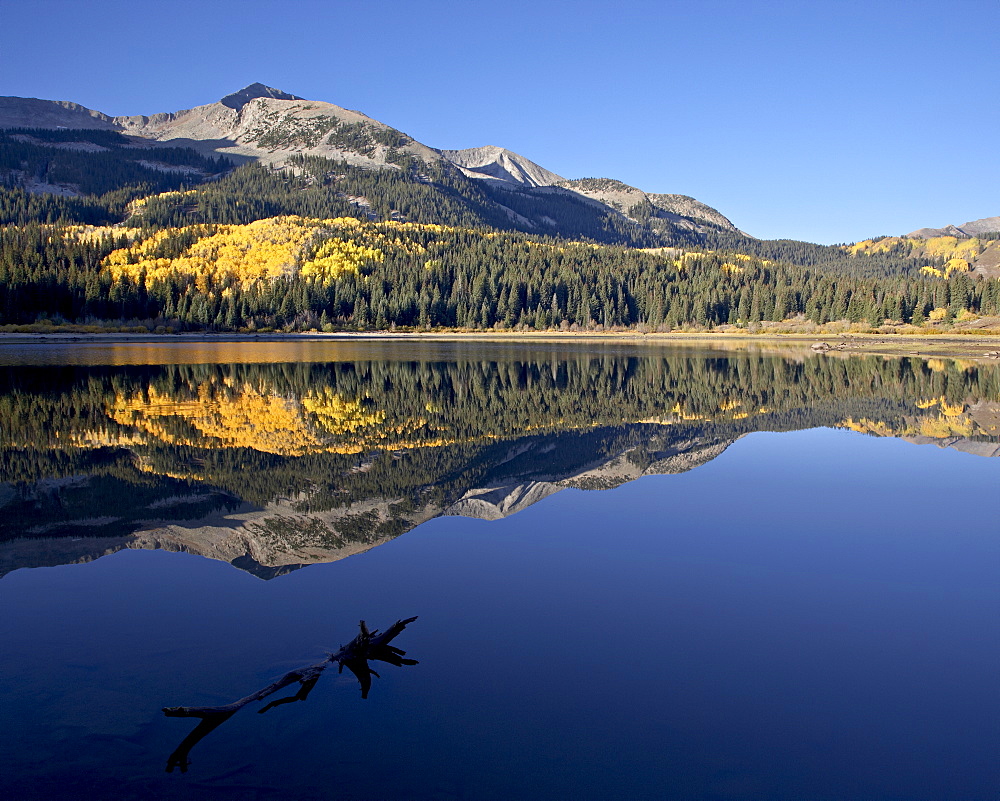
column 366, row 646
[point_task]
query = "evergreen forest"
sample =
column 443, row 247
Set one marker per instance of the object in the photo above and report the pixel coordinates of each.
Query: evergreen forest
column 167, row 239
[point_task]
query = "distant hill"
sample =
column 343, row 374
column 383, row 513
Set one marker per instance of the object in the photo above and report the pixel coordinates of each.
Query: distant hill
column 951, row 251
column 987, row 225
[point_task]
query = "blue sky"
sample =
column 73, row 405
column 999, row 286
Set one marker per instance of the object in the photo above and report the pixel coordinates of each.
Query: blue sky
column 822, row 121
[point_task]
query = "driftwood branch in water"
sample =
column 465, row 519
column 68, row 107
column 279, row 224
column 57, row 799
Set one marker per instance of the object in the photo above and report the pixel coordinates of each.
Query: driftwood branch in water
column 368, row 645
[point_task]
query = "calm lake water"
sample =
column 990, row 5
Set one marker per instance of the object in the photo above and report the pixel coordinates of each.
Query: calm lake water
column 640, row 573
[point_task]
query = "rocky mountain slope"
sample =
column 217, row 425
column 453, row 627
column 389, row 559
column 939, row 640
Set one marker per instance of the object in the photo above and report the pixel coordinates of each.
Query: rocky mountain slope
column 987, row 225
column 684, row 211
column 30, row 112
column 270, row 125
column 260, row 123
column 499, row 164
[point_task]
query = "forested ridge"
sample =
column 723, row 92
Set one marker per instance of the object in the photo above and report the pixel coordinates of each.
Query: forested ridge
column 169, row 240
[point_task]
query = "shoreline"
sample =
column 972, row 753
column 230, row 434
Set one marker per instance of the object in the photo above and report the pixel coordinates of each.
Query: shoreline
column 941, row 345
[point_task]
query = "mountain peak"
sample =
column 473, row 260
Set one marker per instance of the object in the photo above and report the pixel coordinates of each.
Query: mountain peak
column 237, row 100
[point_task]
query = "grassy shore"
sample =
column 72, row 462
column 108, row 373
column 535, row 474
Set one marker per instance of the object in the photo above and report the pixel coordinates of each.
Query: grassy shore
column 950, row 345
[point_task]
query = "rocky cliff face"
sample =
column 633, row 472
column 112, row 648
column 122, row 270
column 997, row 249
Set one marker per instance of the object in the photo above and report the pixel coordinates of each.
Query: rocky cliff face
column 502, row 165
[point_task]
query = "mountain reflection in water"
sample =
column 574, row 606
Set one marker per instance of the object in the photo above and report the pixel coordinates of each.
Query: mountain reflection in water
column 274, row 466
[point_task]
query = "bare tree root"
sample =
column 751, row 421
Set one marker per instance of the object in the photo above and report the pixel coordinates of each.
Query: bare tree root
column 355, row 656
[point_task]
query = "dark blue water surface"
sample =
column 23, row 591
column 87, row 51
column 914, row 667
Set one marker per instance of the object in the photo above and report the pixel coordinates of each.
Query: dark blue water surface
column 812, row 614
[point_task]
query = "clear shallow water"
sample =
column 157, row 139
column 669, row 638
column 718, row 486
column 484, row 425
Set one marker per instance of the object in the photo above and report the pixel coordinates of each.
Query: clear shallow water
column 807, row 614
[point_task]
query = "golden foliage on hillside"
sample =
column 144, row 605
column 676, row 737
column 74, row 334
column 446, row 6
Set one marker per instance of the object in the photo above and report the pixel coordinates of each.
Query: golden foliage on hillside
column 731, row 266
column 265, row 249
column 137, row 205
column 97, row 233
column 268, row 249
column 959, row 254
column 686, row 258
column 955, row 265
column 338, row 256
